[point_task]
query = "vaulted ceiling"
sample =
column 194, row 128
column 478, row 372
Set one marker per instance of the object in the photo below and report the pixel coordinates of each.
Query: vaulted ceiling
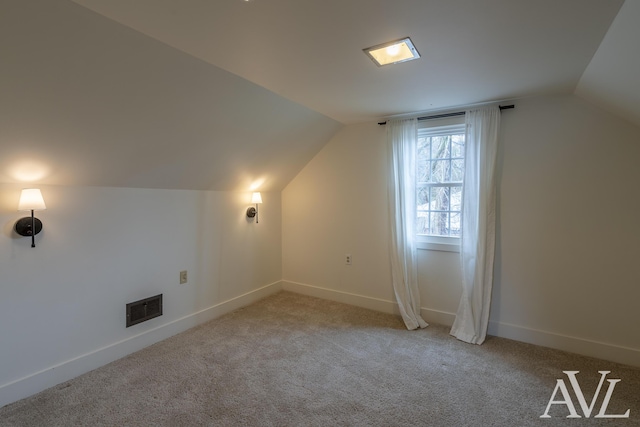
column 224, row 94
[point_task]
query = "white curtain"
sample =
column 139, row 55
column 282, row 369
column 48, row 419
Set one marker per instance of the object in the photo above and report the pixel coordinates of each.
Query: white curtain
column 477, row 246
column 402, row 138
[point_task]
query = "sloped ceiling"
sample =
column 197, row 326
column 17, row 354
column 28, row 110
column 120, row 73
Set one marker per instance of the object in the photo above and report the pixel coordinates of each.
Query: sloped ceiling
column 612, row 79
column 223, row 94
column 87, row 101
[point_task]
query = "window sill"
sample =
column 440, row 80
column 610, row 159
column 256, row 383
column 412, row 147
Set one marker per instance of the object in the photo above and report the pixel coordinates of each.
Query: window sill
column 443, row 245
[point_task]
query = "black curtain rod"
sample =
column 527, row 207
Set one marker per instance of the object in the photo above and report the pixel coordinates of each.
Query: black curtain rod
column 457, row 113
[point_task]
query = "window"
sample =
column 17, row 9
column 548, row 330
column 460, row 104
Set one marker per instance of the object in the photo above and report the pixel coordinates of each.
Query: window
column 439, row 175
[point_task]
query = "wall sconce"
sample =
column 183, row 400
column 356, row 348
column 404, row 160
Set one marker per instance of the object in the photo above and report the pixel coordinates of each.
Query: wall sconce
column 30, row 200
column 251, row 212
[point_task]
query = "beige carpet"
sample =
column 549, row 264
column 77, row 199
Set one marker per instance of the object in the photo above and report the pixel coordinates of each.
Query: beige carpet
column 292, row 360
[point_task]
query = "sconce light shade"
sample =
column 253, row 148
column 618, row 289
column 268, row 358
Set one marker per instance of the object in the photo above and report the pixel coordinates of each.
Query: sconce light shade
column 30, row 200
column 253, row 212
column 256, row 197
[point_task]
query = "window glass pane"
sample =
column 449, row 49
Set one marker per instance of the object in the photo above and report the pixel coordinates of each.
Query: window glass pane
column 439, row 198
column 422, row 172
column 422, row 198
column 455, row 224
column 439, row 223
column 422, row 223
column 457, row 170
column 456, row 198
column 440, row 171
column 424, row 148
column 441, row 147
column 457, row 145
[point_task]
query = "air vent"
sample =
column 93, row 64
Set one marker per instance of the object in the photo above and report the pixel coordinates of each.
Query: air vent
column 143, row 310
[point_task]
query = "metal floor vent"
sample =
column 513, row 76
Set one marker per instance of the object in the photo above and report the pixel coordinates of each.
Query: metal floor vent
column 143, row 310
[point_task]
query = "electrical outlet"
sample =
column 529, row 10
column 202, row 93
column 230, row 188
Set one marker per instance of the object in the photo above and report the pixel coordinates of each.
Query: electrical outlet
column 183, row 277
column 347, row 259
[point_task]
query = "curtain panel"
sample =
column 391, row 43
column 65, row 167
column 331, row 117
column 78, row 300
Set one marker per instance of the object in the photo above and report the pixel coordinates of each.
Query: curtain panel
column 402, row 138
column 477, row 245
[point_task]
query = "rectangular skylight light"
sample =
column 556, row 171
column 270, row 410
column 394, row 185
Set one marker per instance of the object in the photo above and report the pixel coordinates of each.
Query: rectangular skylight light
column 392, row 52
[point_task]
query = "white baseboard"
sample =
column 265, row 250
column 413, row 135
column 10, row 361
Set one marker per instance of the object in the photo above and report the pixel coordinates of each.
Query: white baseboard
column 49, row 377
column 599, row 350
column 438, row 317
column 376, row 304
column 610, row 352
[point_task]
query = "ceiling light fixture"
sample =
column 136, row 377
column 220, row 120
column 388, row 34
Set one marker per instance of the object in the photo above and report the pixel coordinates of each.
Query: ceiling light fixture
column 393, row 52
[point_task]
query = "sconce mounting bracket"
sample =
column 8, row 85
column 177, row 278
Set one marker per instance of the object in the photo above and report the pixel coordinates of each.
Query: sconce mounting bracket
column 23, row 226
column 251, row 212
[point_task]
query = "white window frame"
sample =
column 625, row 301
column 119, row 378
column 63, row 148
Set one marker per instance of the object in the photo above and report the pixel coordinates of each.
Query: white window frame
column 440, row 243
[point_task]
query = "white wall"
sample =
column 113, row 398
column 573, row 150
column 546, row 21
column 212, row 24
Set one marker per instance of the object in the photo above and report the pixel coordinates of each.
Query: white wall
column 336, row 206
column 567, row 260
column 62, row 304
column 565, row 270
